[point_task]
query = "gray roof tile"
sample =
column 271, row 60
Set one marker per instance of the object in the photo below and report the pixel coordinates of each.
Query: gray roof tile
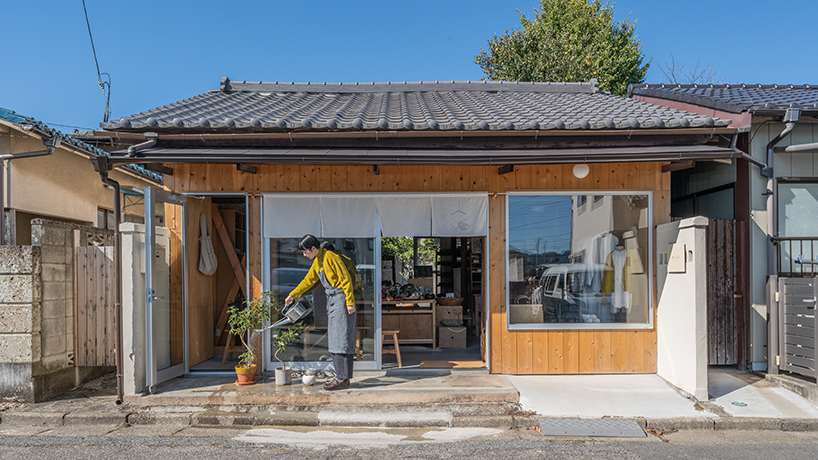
column 18, row 119
column 735, row 98
column 448, row 106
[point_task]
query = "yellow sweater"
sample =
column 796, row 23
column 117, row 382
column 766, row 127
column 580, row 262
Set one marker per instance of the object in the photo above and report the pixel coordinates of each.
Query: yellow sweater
column 335, row 271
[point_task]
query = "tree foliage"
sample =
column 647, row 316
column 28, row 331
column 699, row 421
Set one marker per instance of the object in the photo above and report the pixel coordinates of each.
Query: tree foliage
column 403, row 248
column 568, row 41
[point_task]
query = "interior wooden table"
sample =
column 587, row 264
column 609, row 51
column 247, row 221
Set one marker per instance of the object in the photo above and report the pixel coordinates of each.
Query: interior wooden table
column 414, row 318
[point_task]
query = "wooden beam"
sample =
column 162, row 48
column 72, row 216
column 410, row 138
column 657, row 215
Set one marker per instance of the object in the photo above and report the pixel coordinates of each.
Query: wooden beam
column 160, row 168
column 678, row 165
column 229, row 248
column 221, row 323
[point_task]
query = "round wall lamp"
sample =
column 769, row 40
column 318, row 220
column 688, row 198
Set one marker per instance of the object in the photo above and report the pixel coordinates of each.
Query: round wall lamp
column 581, row 170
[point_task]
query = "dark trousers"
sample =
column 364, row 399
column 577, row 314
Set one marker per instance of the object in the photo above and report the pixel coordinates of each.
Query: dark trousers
column 342, row 362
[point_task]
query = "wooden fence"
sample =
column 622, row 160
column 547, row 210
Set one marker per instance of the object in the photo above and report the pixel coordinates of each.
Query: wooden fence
column 94, row 327
column 723, row 296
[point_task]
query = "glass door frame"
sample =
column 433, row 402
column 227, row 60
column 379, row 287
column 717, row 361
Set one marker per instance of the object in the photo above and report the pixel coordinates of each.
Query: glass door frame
column 269, row 360
column 154, row 376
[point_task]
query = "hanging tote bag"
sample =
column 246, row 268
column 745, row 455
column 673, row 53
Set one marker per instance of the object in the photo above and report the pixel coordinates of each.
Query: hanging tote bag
column 207, row 256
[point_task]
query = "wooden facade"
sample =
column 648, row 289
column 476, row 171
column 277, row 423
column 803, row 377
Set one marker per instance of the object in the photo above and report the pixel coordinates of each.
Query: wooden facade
column 511, row 352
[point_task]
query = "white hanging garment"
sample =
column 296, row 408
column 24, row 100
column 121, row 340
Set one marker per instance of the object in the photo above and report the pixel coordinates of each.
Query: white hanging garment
column 207, row 256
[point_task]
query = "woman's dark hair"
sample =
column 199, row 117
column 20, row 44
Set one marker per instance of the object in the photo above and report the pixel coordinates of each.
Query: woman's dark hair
column 308, row 242
column 328, row 246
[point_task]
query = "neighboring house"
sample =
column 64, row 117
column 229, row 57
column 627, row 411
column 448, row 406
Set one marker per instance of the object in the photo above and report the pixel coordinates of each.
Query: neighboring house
column 497, row 166
column 59, row 186
column 56, row 258
column 779, row 132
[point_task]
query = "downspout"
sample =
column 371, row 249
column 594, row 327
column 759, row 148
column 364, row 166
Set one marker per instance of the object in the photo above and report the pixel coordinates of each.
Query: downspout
column 50, row 143
column 102, row 166
column 791, row 117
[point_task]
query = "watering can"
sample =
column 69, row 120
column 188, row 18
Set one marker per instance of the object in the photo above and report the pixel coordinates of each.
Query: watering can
column 294, row 313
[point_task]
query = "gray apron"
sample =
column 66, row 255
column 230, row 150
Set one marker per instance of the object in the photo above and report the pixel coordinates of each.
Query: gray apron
column 341, row 326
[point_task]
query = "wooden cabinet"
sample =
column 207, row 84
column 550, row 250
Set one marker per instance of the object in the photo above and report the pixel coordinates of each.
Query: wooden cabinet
column 416, row 322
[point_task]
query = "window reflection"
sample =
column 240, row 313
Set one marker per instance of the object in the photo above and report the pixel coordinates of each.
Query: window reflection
column 577, row 259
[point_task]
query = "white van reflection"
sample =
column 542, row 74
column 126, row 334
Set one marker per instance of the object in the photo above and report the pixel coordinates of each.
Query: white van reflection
column 566, row 293
column 284, row 280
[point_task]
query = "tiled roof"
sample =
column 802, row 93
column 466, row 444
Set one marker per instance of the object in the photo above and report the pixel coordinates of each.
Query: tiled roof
column 736, row 98
column 446, row 106
column 89, row 149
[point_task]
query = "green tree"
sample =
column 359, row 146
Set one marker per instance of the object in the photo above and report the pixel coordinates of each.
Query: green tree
column 566, row 41
column 403, row 248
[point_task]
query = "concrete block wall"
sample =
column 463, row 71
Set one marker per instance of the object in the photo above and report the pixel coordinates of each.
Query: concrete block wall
column 37, row 312
column 56, row 243
column 20, row 321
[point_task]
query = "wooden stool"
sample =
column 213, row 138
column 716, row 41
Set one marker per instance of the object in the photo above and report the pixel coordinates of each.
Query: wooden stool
column 230, row 348
column 396, row 351
column 359, row 348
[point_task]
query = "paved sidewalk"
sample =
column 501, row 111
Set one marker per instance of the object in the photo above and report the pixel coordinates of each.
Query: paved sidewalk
column 443, row 399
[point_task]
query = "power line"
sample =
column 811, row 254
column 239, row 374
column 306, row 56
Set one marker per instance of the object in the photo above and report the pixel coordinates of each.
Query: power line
column 102, row 85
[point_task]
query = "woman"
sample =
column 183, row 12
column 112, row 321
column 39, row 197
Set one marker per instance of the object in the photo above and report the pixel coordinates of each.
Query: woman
column 328, row 268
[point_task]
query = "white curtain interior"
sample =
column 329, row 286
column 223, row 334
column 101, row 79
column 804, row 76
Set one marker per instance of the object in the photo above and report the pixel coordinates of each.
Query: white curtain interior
column 357, row 216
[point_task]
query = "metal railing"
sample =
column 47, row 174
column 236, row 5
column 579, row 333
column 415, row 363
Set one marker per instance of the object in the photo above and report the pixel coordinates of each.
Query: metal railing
column 797, row 256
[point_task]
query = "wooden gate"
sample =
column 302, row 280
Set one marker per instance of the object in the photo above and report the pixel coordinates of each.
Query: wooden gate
column 723, row 296
column 797, row 322
column 94, row 314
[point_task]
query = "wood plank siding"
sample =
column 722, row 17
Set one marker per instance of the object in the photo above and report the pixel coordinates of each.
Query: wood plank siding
column 510, row 352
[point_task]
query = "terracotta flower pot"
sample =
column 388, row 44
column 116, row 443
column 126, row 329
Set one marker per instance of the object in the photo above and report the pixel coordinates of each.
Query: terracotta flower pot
column 246, row 374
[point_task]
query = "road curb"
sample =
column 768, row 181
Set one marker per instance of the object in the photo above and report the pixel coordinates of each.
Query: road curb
column 95, row 418
column 46, row 419
column 375, row 420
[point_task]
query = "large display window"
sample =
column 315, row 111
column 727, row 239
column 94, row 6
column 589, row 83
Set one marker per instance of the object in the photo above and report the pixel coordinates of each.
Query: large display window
column 579, row 261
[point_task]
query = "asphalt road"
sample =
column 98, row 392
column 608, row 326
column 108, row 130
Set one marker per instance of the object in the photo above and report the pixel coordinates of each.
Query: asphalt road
column 96, row 442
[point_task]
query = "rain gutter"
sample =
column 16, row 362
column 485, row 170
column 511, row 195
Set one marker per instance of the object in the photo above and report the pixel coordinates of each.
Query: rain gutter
column 50, row 143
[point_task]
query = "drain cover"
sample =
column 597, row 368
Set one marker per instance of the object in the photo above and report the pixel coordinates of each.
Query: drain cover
column 584, row 427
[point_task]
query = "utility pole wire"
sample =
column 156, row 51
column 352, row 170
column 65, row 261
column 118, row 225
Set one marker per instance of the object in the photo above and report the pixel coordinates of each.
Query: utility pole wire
column 102, row 84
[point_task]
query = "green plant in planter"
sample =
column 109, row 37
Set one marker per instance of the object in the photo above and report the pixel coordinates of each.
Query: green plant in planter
column 284, row 337
column 243, row 320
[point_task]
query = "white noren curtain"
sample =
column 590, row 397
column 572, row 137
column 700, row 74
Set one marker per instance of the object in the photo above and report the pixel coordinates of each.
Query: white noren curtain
column 291, row 216
column 405, row 215
column 459, row 215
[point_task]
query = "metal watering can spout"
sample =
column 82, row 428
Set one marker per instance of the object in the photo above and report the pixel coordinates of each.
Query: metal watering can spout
column 296, row 312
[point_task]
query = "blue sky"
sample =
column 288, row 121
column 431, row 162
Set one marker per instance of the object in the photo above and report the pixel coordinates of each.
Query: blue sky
column 158, row 52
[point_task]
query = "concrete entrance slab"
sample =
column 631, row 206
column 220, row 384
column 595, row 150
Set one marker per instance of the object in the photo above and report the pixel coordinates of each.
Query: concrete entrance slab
column 368, row 388
column 595, row 396
column 756, row 397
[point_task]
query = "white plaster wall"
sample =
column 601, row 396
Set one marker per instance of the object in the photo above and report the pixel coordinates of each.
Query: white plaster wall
column 133, row 308
column 681, row 317
column 63, row 184
column 134, row 359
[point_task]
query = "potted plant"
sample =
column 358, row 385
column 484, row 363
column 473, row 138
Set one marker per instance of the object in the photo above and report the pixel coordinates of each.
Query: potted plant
column 247, row 319
column 281, row 339
column 309, row 377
